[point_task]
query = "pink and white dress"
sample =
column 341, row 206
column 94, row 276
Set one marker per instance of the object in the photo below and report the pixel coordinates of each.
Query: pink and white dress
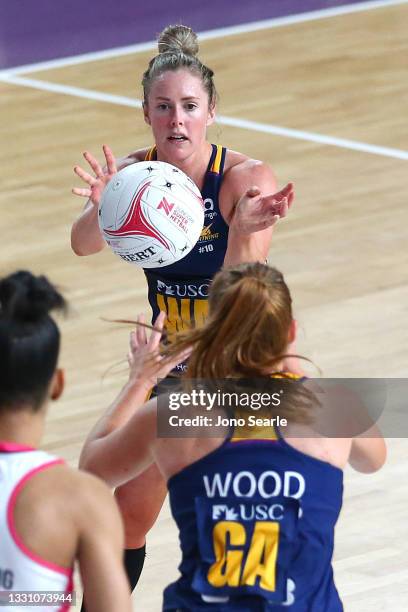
column 21, row 570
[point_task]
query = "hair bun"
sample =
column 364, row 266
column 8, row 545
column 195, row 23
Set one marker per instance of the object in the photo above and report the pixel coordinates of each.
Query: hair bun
column 178, row 38
column 28, row 298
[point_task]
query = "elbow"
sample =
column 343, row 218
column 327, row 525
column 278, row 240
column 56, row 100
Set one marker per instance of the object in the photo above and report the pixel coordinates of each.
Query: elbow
column 82, row 248
column 380, row 459
column 93, row 463
column 77, row 250
column 88, row 461
column 372, row 461
column 380, row 455
column 76, row 245
column 85, row 462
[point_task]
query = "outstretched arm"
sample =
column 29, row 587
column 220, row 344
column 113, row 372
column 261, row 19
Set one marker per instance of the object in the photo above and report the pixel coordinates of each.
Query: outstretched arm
column 253, row 210
column 118, row 447
column 86, row 237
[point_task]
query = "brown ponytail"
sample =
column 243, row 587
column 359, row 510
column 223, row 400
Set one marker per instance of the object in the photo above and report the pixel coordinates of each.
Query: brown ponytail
column 247, row 330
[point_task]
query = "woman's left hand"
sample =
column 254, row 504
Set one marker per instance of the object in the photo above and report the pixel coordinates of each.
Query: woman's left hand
column 255, row 212
column 144, row 357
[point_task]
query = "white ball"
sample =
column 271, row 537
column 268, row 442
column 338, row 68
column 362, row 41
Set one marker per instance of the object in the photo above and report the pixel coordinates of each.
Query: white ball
column 151, row 214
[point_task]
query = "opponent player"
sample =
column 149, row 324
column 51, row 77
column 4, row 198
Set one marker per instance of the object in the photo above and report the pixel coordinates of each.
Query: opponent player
column 50, row 514
column 241, row 209
column 256, row 507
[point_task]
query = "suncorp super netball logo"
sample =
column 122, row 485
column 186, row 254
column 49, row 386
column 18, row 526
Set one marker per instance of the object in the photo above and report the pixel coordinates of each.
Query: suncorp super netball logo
column 166, row 206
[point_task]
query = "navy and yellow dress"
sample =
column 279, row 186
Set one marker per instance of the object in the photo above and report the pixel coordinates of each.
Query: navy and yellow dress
column 181, row 289
column 256, row 521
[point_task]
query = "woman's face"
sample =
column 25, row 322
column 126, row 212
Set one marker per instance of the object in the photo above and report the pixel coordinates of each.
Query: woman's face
column 178, row 112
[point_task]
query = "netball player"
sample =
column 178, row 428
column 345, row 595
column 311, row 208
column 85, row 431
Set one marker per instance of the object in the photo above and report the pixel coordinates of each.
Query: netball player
column 50, row 514
column 241, row 209
column 256, row 508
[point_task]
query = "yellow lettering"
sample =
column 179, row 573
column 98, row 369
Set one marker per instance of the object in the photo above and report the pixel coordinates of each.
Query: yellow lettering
column 200, row 312
column 262, row 555
column 185, row 322
column 227, row 566
column 178, row 314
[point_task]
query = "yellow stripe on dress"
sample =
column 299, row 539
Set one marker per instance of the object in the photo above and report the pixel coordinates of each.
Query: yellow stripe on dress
column 261, row 432
column 217, row 161
column 252, row 432
column 150, row 154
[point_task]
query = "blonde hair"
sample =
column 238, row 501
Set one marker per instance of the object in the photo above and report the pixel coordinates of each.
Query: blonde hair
column 178, row 48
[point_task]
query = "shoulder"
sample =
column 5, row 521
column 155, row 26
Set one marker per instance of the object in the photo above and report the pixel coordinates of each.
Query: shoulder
column 240, row 166
column 64, row 488
column 132, row 158
column 240, row 173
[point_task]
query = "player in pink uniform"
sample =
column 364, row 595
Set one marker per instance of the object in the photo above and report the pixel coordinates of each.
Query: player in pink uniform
column 50, row 514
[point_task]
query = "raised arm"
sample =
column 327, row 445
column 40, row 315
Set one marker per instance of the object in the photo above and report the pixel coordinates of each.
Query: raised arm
column 86, row 237
column 118, row 447
column 252, row 207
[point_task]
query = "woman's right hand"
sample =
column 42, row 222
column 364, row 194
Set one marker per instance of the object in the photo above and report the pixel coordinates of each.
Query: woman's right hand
column 97, row 183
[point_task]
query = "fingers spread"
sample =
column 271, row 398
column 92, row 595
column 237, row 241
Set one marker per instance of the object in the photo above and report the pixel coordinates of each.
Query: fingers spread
column 82, row 192
column 94, row 164
column 156, row 335
column 110, row 160
column 85, row 176
column 141, row 336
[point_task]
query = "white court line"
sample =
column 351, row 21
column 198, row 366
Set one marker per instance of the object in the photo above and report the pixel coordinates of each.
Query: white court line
column 78, row 92
column 245, row 124
column 207, row 35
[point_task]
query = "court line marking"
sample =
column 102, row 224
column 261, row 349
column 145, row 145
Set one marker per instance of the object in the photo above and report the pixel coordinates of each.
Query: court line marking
column 245, row 124
column 206, row 35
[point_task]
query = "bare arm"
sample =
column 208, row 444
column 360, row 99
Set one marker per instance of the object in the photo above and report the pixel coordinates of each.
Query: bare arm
column 118, row 447
column 119, row 455
column 86, row 237
column 100, row 552
column 253, row 209
column 368, row 451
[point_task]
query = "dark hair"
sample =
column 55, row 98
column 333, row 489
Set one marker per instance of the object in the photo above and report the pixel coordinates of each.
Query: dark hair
column 29, row 339
column 178, row 48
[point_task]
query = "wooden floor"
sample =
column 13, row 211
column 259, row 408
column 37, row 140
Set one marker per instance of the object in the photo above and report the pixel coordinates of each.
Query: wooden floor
column 343, row 249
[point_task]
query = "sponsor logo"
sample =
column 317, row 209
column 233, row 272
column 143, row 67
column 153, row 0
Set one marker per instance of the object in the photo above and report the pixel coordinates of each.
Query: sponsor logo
column 220, row 511
column 140, row 255
column 166, row 206
column 209, row 211
column 183, row 291
column 248, row 512
column 181, row 218
column 207, row 235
